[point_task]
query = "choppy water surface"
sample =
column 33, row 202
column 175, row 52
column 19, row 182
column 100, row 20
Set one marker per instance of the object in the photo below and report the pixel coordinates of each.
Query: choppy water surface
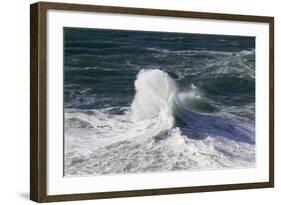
column 148, row 101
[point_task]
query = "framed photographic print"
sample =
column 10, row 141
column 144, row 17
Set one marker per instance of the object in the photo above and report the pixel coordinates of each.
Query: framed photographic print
column 134, row 102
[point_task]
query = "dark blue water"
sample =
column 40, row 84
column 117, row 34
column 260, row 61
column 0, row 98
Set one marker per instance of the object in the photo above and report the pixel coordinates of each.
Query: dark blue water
column 215, row 110
column 100, row 66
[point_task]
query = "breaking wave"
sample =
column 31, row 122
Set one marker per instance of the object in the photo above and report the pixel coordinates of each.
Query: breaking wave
column 157, row 96
column 165, row 128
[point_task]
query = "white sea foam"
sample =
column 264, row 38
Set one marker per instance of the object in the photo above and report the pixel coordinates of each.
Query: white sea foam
column 147, row 138
column 155, row 95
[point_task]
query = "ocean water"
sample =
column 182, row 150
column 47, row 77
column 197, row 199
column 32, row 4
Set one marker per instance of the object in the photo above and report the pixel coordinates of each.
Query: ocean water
column 138, row 101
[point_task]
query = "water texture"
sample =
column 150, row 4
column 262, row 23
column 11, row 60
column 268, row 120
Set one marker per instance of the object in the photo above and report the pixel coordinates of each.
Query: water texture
column 138, row 101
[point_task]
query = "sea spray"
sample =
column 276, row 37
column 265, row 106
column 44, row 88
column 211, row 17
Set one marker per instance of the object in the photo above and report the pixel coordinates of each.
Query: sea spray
column 212, row 121
column 155, row 98
column 158, row 133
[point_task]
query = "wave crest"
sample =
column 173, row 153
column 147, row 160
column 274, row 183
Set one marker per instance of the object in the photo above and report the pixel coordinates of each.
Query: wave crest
column 159, row 102
column 155, row 97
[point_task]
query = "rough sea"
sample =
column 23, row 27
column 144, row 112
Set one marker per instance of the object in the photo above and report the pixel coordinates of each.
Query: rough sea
column 137, row 101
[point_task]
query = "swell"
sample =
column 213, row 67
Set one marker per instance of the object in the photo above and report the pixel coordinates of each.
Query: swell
column 157, row 96
column 164, row 129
